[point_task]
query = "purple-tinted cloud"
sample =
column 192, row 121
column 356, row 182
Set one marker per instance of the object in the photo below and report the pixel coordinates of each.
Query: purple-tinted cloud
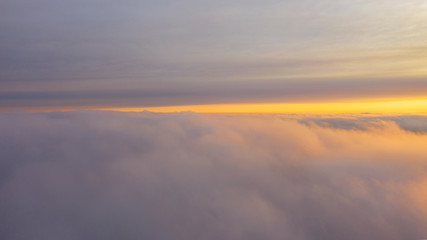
column 95, row 52
column 108, row 175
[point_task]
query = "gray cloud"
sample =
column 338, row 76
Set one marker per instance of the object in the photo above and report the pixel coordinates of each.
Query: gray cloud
column 55, row 47
column 249, row 91
column 109, row 175
column 415, row 123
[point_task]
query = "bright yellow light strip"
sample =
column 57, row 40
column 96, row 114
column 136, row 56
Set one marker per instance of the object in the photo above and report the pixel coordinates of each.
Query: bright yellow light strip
column 390, row 106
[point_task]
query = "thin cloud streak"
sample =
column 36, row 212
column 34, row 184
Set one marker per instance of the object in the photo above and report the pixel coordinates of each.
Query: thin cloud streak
column 247, row 49
column 242, row 92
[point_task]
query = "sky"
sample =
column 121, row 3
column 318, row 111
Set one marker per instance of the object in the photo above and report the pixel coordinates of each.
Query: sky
column 200, row 119
column 214, row 56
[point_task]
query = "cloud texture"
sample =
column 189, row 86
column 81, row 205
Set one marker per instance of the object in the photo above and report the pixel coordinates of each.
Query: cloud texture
column 108, row 175
column 163, row 52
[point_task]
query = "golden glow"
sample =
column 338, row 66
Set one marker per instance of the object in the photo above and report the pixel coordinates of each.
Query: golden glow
column 389, row 106
column 380, row 106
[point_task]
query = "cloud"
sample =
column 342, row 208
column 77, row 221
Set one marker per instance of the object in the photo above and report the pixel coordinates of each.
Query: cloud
column 415, row 123
column 91, row 52
column 174, row 94
column 109, row 175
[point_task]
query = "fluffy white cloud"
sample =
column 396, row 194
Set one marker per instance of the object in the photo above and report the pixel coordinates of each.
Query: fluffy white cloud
column 107, row 175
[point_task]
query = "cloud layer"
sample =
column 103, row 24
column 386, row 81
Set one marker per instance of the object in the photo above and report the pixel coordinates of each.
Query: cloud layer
column 108, row 175
column 161, row 52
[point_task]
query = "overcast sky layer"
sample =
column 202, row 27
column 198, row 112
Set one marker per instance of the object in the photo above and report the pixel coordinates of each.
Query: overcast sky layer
column 152, row 53
column 107, row 175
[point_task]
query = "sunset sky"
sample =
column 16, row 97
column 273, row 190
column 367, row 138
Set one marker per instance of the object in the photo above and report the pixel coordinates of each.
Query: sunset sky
column 214, row 56
column 213, row 119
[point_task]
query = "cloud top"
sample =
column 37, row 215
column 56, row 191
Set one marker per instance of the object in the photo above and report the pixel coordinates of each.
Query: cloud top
column 108, row 175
